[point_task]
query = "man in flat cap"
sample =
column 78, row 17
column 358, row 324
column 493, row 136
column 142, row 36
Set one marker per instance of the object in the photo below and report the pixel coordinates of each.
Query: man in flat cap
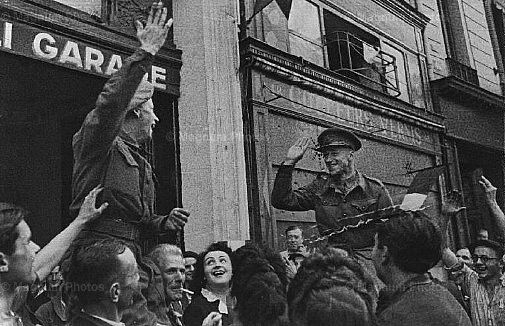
column 108, row 151
column 340, row 193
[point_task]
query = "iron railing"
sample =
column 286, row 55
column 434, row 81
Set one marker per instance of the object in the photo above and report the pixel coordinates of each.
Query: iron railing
column 363, row 62
column 462, row 71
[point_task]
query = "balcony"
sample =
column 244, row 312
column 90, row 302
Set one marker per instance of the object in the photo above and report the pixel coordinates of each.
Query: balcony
column 462, row 71
column 365, row 63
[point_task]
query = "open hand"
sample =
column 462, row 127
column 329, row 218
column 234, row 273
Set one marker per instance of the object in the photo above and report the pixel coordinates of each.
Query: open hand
column 453, row 204
column 291, row 268
column 88, row 210
column 489, row 189
column 152, row 36
column 176, row 220
column 296, row 152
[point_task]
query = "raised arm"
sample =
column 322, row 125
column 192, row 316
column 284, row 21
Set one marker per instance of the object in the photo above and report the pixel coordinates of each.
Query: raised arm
column 283, row 195
column 50, row 256
column 496, row 212
column 451, row 207
column 104, row 123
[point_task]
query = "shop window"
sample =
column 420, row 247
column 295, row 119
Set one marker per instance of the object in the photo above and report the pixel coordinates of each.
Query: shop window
column 92, row 7
column 357, row 55
column 305, row 32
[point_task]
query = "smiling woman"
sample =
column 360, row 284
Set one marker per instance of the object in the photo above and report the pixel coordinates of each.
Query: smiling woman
column 211, row 284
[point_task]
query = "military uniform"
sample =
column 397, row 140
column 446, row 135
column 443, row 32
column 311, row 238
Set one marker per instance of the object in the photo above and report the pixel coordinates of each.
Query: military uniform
column 106, row 155
column 332, row 203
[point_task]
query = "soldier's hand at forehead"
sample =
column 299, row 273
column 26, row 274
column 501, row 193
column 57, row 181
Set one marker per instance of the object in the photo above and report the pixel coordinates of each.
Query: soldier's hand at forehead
column 152, row 36
column 176, row 220
column 296, row 152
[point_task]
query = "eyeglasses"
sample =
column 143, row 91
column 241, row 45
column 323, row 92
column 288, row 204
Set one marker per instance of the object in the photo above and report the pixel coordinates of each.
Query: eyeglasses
column 484, row 259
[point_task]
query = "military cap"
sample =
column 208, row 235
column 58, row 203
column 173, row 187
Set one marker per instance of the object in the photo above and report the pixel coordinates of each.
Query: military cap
column 144, row 92
column 337, row 137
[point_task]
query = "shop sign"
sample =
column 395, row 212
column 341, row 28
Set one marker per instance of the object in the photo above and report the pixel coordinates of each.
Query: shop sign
column 50, row 46
column 296, row 98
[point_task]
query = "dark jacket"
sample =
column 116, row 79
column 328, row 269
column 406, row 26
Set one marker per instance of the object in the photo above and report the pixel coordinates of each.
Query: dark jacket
column 199, row 309
column 420, row 302
column 83, row 319
column 52, row 313
column 330, row 204
column 105, row 155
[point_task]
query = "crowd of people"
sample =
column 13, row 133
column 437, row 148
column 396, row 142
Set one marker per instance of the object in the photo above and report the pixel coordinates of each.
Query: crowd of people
column 103, row 269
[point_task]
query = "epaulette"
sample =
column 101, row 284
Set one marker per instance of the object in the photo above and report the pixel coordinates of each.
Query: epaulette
column 373, row 179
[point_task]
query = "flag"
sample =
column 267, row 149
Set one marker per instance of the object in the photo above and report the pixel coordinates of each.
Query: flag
column 285, row 6
column 420, row 186
column 424, row 179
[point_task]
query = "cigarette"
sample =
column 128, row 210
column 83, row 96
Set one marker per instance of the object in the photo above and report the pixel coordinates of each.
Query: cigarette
column 188, row 291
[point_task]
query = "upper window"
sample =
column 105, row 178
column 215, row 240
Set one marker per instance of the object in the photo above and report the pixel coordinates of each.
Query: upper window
column 305, row 32
column 92, row 7
column 357, row 54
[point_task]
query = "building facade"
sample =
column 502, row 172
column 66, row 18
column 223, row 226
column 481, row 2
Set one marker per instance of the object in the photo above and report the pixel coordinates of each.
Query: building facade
column 239, row 81
column 359, row 65
column 464, row 42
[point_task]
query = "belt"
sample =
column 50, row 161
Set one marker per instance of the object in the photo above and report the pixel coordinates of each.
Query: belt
column 116, row 228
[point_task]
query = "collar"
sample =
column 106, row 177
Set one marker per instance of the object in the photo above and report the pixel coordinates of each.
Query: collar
column 110, row 322
column 211, row 297
column 128, row 140
column 356, row 181
column 500, row 282
column 390, row 293
column 105, row 320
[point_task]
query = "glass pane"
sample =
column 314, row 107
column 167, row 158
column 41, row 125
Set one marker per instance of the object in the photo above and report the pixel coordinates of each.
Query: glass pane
column 92, row 7
column 416, row 81
column 401, row 73
column 304, row 20
column 305, row 49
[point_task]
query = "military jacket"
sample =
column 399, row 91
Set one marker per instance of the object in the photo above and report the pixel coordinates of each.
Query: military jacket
column 331, row 204
column 105, row 155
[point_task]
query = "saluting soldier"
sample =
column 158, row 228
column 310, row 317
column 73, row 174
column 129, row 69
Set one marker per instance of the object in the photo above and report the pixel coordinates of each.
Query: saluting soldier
column 340, row 193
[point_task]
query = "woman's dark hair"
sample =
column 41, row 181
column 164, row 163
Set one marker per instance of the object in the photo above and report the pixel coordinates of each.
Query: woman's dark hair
column 329, row 287
column 198, row 281
column 10, row 217
column 413, row 241
column 259, row 283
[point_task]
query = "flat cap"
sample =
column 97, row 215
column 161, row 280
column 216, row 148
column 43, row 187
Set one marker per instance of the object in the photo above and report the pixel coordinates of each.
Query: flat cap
column 337, row 137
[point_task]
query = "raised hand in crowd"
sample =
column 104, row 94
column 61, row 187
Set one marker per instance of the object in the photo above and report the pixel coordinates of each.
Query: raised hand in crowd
column 452, row 205
column 291, row 268
column 496, row 211
column 152, row 36
column 88, row 211
column 489, row 190
column 49, row 256
column 296, row 152
column 213, row 319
